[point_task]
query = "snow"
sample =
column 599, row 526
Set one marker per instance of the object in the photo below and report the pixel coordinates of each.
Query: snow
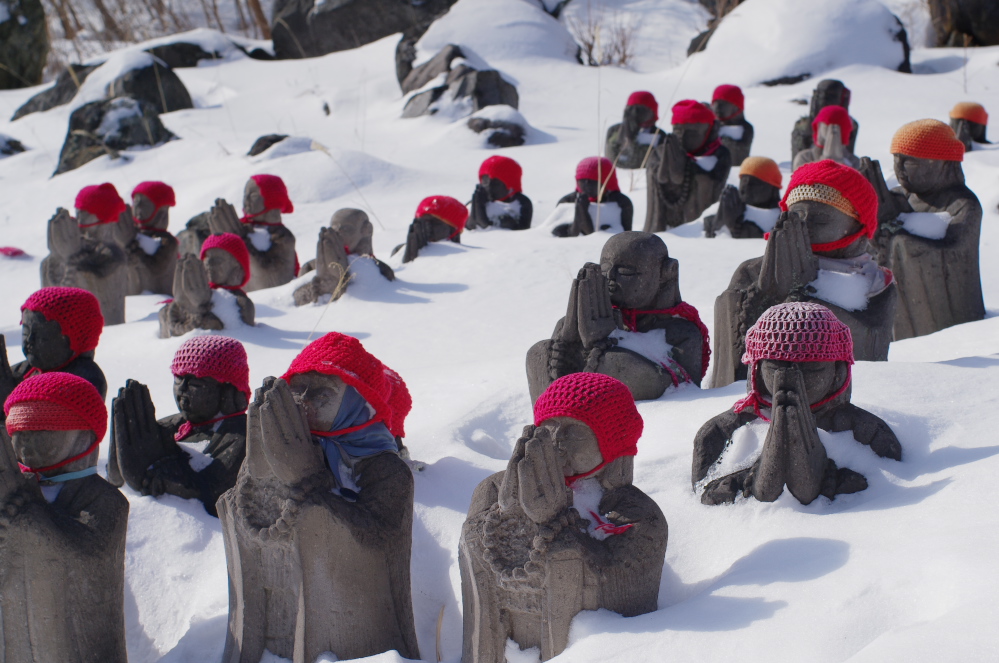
column 765, row 218
column 260, row 238
column 733, row 131
column 651, row 344
column 497, row 209
column 931, row 225
column 121, row 109
column 4, row 11
column 606, row 217
column 706, row 163
column 904, row 570
column 150, row 245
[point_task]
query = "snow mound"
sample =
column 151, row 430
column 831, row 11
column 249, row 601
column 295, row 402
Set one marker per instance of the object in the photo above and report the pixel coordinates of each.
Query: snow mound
column 96, row 85
column 764, row 40
column 287, row 147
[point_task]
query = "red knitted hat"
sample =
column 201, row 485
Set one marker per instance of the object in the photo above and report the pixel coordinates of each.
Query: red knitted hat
column 101, row 200
column 234, row 246
column 77, row 311
column 927, row 139
column 159, row 194
column 851, row 185
column 218, row 357
column 504, row 169
column 56, row 401
column 764, row 169
column 602, row 403
column 969, row 110
column 833, row 115
column 595, row 168
column 274, row 192
column 730, row 93
column 643, row 98
column 449, row 210
column 690, row 111
column 344, row 356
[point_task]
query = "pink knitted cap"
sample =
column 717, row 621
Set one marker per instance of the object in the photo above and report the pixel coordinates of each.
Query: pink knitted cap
column 602, row 403
column 798, row 331
column 234, row 246
column 600, row 169
column 274, row 193
column 218, row 357
column 56, row 401
column 101, row 200
column 77, row 311
column 160, row 194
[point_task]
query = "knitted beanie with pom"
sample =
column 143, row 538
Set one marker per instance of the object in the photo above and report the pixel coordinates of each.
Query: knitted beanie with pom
column 833, row 115
column 344, row 356
column 970, row 111
column 445, row 208
column 764, row 169
column 849, row 184
column 643, row 98
column 101, row 200
column 274, row 193
column 77, row 311
column 218, row 357
column 234, row 246
column 600, row 169
column 504, row 169
column 160, row 194
column 56, row 401
column 690, row 111
column 602, row 403
column 730, row 93
column 927, row 139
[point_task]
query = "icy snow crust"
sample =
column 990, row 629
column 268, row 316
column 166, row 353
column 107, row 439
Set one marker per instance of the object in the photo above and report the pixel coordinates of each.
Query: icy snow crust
column 904, row 571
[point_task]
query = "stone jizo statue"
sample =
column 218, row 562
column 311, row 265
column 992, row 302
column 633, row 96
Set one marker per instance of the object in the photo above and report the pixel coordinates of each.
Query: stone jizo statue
column 152, row 255
column 630, row 143
column 598, row 203
column 736, row 133
column 831, row 133
column 752, row 209
column 437, row 219
column 969, row 121
column 498, row 200
column 828, row 92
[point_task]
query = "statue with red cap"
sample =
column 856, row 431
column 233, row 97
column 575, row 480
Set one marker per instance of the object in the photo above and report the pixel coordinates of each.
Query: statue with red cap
column 209, row 293
column 735, row 132
column 437, row 219
column 829, row 92
column 318, row 528
column 60, row 330
column 929, row 228
column 751, row 209
column 62, row 527
column 832, row 129
column 969, row 121
column 687, row 172
column 596, row 204
column 562, row 529
column 799, row 358
column 271, row 245
column 152, row 254
column 499, row 200
column 629, row 143
column 818, row 251
column 347, row 239
column 86, row 252
column 211, row 386
column 626, row 319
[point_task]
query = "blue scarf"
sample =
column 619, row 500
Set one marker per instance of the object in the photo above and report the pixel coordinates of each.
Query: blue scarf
column 369, row 441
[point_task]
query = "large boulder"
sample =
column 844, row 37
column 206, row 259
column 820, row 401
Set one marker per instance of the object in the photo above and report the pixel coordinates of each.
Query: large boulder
column 965, row 22
column 180, row 54
column 9, row 146
column 154, row 84
column 306, row 28
column 24, row 43
column 66, row 86
column 464, row 89
column 109, row 127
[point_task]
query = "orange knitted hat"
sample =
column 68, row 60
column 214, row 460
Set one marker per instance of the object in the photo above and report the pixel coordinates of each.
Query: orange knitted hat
column 969, row 110
column 764, row 169
column 927, row 139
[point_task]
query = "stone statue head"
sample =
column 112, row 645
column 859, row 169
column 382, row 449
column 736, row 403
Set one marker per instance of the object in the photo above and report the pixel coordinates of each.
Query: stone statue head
column 495, row 187
column 829, row 92
column 726, row 110
column 822, row 378
column 928, row 157
column 265, row 198
column 223, row 269
column 201, row 399
column 319, row 396
column 758, row 193
column 640, row 274
column 59, row 324
column 210, row 375
column 355, row 229
column 43, row 343
column 98, row 208
column 923, row 176
column 638, row 115
column 826, row 224
column 694, row 136
column 148, row 215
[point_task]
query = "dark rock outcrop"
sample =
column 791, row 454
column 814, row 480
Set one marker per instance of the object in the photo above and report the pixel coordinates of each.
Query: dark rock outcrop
column 156, row 85
column 965, row 22
column 10, row 146
column 500, row 133
column 181, row 54
column 24, row 43
column 481, row 88
column 65, row 88
column 264, row 143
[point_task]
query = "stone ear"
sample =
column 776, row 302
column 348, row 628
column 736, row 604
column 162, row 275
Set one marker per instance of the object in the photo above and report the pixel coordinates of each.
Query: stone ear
column 842, row 370
column 231, row 399
column 670, row 272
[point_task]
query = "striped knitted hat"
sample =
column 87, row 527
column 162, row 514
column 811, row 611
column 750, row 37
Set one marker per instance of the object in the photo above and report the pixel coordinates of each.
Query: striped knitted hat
column 927, row 139
column 218, row 357
column 841, row 187
column 56, row 401
column 77, row 311
column 764, row 169
column 969, row 110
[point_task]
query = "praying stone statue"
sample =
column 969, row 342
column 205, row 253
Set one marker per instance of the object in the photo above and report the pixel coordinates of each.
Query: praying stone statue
column 318, row 529
column 212, row 389
column 831, row 131
column 799, row 357
column 929, row 230
column 688, row 170
column 152, row 255
column 968, row 120
column 60, row 330
column 562, row 529
column 752, row 209
column 194, row 234
column 598, row 203
column 208, row 293
column 437, row 219
column 626, row 319
column 62, row 528
column 818, row 251
column 347, row 238
column 498, row 200
column 828, row 92
column 87, row 252
column 736, row 133
column 630, row 143
column 269, row 242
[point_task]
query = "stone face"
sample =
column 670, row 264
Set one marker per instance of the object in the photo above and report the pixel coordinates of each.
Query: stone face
column 107, row 127
column 955, row 21
column 155, row 85
column 24, row 43
column 62, row 91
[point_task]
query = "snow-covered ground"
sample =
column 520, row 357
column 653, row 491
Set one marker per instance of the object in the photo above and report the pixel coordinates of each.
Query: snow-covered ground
column 902, row 571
